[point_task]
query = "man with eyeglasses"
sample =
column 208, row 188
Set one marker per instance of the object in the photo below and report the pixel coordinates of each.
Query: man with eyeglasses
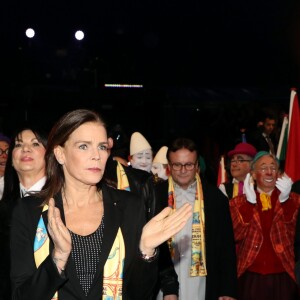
column 4, row 145
column 240, row 165
column 264, row 222
column 203, row 254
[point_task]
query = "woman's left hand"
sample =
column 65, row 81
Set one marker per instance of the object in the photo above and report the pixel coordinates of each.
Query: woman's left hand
column 162, row 227
column 60, row 236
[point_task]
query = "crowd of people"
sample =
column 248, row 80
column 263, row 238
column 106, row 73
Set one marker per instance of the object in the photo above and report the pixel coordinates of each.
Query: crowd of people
column 81, row 218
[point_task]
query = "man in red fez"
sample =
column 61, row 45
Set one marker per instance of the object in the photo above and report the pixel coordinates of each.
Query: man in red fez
column 240, row 164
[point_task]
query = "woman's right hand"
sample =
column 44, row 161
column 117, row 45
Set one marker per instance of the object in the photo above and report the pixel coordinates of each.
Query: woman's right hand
column 60, row 236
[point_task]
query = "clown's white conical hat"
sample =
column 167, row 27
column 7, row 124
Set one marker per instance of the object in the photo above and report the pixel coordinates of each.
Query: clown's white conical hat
column 138, row 143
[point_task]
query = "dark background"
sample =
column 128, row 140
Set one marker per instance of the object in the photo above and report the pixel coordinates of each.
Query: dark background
column 208, row 68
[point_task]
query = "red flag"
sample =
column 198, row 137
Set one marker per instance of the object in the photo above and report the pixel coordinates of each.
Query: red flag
column 222, row 175
column 292, row 162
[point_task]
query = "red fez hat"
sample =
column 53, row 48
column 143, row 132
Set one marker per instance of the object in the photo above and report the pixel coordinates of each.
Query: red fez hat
column 243, row 148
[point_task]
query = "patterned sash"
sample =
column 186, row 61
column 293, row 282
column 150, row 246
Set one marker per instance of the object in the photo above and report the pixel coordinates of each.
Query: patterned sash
column 41, row 244
column 237, row 188
column 198, row 256
column 113, row 269
column 123, row 183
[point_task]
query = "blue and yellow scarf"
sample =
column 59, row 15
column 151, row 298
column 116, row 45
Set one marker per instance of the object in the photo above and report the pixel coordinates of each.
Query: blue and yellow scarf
column 113, row 269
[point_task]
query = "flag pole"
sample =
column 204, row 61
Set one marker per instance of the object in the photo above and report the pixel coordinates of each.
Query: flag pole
column 284, row 125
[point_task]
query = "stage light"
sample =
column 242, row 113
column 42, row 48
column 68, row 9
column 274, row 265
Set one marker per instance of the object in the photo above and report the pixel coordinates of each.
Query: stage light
column 30, row 33
column 79, row 35
column 122, row 85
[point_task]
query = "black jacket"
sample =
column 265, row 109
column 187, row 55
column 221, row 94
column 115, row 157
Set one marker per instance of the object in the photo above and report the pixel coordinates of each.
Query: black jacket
column 120, row 209
column 141, row 183
column 259, row 141
column 5, row 212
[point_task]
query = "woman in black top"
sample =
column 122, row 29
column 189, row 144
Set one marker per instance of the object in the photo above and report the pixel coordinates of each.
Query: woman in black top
column 79, row 238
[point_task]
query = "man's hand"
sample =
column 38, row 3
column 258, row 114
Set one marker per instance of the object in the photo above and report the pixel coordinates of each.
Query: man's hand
column 284, row 184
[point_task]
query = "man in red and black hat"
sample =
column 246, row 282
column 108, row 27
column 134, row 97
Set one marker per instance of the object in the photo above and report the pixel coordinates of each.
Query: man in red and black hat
column 240, row 165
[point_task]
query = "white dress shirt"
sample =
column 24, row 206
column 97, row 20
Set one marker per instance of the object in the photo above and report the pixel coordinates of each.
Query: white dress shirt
column 33, row 189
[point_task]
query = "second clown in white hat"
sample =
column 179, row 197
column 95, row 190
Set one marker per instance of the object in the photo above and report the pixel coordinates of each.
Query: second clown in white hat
column 161, row 156
column 160, row 163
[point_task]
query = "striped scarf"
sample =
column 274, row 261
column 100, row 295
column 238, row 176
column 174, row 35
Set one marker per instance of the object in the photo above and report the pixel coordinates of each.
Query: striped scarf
column 198, row 256
column 41, row 244
column 113, row 268
column 123, row 183
column 237, row 188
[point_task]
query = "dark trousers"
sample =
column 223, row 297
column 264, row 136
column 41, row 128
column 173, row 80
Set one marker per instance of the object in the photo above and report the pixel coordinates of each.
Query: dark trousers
column 254, row 286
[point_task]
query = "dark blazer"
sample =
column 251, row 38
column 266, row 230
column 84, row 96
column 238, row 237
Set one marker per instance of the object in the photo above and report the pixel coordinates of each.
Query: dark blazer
column 121, row 209
column 221, row 279
column 4, row 251
column 259, row 141
column 141, row 183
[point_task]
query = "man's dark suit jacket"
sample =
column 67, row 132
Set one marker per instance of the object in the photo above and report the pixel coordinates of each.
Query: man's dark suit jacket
column 221, row 279
column 259, row 141
column 121, row 209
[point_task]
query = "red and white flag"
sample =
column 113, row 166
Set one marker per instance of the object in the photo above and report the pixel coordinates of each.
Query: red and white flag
column 222, row 175
column 282, row 144
column 292, row 161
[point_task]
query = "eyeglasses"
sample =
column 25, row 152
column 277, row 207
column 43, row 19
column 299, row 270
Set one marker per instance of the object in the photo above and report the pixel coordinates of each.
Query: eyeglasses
column 3, row 151
column 187, row 166
column 239, row 161
column 267, row 169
